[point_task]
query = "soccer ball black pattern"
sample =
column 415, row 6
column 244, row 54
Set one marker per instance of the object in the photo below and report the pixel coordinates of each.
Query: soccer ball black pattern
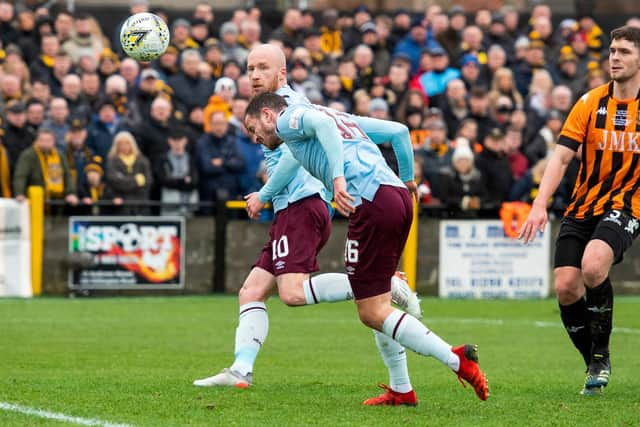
column 144, row 36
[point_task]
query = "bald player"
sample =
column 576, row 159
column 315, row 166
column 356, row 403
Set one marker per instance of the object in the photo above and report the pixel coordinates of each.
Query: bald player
column 300, row 229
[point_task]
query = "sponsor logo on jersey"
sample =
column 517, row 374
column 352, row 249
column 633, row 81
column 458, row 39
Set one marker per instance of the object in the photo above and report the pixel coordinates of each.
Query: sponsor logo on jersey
column 602, row 111
column 632, row 226
column 295, row 117
column 280, row 265
column 620, row 119
column 619, row 141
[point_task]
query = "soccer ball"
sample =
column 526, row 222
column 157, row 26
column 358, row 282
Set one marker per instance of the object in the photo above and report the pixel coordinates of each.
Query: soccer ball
column 144, row 36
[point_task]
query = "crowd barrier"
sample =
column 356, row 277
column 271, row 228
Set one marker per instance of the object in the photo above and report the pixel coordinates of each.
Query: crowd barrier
column 218, row 251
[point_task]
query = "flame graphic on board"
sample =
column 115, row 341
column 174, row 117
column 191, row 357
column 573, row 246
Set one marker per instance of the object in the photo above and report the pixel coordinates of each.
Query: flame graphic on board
column 155, row 266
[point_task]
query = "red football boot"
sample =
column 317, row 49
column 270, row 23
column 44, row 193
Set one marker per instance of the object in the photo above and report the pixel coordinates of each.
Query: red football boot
column 470, row 370
column 392, row 398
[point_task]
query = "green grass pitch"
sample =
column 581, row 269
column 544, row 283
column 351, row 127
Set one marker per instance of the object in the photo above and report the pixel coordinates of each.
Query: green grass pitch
column 132, row 360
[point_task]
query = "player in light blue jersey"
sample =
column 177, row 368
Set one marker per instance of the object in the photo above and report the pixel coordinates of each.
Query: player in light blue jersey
column 334, row 148
column 300, row 229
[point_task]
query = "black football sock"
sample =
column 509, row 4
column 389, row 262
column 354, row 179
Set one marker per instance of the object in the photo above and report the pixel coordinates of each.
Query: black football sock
column 575, row 318
column 600, row 306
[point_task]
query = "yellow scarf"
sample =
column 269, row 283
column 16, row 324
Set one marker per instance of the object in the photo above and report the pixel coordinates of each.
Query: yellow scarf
column 331, row 41
column 47, row 60
column 4, row 173
column 52, row 172
column 96, row 192
column 347, row 83
column 128, row 160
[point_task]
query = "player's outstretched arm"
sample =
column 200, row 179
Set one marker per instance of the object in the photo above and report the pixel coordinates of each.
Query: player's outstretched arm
column 556, row 168
column 381, row 131
column 281, row 176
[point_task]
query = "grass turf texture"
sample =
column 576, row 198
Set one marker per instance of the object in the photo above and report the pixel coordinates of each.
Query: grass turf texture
column 133, row 360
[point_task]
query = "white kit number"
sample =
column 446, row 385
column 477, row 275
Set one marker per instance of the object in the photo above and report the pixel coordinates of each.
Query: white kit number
column 351, row 251
column 280, row 247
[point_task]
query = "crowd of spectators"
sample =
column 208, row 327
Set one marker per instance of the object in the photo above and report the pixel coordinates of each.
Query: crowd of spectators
column 483, row 93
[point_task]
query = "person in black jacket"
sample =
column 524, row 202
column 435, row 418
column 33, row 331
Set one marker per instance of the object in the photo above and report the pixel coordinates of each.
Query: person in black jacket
column 177, row 176
column 494, row 166
column 17, row 135
column 189, row 88
column 219, row 162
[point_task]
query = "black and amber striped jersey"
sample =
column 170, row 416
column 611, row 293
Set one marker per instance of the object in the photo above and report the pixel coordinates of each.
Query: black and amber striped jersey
column 608, row 130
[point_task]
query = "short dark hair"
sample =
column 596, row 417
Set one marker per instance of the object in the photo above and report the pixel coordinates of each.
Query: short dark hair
column 627, row 33
column 265, row 100
column 42, row 130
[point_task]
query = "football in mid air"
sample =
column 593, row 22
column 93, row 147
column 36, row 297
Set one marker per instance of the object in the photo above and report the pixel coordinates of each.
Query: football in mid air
column 144, row 36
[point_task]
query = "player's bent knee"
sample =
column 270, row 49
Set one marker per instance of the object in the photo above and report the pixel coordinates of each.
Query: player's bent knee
column 292, row 298
column 290, row 289
column 251, row 293
column 371, row 318
column 593, row 273
column 569, row 285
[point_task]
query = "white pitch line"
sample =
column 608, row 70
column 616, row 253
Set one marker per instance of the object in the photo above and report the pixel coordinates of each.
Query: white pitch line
column 502, row 322
column 58, row 416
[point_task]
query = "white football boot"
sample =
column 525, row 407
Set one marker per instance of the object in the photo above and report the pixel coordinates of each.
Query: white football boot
column 403, row 296
column 226, row 378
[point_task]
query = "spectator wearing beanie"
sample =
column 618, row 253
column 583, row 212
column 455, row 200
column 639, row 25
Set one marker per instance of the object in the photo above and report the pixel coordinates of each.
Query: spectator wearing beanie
column 92, row 188
column 177, row 175
column 225, row 90
column 433, row 83
column 229, row 45
column 103, row 127
column 17, row 135
column 381, row 54
column 108, row 64
column 495, row 168
column 77, row 153
column 180, row 38
column 462, row 185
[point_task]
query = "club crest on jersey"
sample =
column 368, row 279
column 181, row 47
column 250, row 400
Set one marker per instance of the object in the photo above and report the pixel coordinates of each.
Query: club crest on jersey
column 620, row 119
column 293, row 120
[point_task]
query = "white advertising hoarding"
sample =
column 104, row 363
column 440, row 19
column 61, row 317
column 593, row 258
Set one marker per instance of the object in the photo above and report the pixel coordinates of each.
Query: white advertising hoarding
column 477, row 260
column 15, row 249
